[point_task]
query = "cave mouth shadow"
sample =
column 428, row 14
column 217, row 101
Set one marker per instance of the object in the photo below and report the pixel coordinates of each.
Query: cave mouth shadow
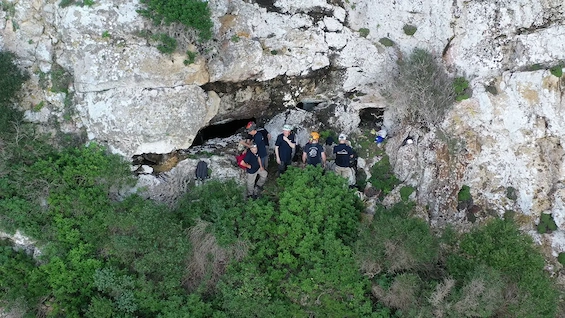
column 223, row 130
column 371, row 117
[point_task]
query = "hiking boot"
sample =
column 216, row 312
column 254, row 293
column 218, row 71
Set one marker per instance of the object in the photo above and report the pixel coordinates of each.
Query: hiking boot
column 259, row 188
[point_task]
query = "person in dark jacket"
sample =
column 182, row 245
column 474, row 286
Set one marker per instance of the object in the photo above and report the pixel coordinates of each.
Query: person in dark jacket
column 343, row 156
column 259, row 141
column 284, row 146
column 313, row 153
column 254, row 167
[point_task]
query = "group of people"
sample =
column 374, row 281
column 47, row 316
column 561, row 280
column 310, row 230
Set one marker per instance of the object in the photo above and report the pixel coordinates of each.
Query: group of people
column 256, row 159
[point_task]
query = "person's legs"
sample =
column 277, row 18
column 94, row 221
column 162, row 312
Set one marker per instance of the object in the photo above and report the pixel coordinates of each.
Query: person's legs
column 265, row 161
column 352, row 177
column 342, row 172
column 250, row 182
column 262, row 178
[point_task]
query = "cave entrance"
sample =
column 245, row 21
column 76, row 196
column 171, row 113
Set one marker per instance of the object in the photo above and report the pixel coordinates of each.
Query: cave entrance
column 164, row 162
column 307, row 105
column 371, row 117
column 220, row 130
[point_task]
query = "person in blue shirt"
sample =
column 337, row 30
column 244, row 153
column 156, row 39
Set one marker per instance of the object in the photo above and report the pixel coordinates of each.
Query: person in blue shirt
column 260, row 142
column 254, row 167
column 313, row 153
column 284, row 146
column 343, row 155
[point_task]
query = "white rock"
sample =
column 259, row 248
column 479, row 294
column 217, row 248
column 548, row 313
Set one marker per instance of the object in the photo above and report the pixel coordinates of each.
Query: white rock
column 336, row 40
column 332, row 25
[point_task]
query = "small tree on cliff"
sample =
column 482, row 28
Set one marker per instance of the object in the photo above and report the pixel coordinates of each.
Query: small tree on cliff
column 420, row 90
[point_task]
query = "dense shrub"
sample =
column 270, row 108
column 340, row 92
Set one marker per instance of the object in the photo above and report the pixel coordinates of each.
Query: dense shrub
column 219, row 203
column 300, row 249
column 382, row 176
column 500, row 246
column 420, row 90
column 11, row 80
column 21, row 283
column 396, row 242
column 191, row 13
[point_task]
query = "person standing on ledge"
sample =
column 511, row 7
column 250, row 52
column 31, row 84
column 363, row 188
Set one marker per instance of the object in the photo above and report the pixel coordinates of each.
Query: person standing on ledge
column 313, row 153
column 259, row 141
column 284, row 145
column 254, row 167
column 343, row 155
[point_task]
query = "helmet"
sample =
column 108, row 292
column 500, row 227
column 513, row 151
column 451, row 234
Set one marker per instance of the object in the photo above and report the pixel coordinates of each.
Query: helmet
column 314, row 135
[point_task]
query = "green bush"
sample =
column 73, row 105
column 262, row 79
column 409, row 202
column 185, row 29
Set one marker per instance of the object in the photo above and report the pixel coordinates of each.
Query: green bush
column 219, row 203
column 511, row 193
column 557, row 70
column 60, row 79
column 382, row 176
column 500, row 245
column 19, row 278
column 191, row 57
column 546, row 224
column 409, row 29
column 192, row 13
column 299, row 251
column 461, row 87
column 363, row 32
column 405, row 192
column 561, row 258
column 396, row 242
column 167, row 44
column 421, row 91
column 464, row 193
column 386, row 42
column 11, row 80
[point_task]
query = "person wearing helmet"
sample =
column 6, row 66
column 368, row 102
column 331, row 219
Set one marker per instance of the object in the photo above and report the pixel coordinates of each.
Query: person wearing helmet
column 257, row 139
column 313, row 153
column 284, row 146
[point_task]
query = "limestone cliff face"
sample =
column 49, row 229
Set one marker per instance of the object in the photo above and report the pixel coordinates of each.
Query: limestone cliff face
column 265, row 59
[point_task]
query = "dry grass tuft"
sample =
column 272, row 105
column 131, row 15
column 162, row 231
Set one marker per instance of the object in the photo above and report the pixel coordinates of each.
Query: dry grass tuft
column 440, row 294
column 402, row 294
column 398, row 258
column 208, row 260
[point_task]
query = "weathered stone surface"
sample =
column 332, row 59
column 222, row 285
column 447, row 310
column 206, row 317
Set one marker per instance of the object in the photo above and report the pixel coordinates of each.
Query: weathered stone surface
column 134, row 121
column 171, row 185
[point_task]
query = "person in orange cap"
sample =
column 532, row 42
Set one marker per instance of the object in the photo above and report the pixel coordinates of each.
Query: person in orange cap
column 313, row 153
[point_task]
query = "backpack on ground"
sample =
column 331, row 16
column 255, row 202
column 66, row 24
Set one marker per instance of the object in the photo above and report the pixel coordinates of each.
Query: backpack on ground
column 201, row 170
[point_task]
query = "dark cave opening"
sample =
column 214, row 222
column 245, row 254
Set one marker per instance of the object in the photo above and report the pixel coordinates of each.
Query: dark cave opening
column 307, row 105
column 371, row 117
column 220, row 130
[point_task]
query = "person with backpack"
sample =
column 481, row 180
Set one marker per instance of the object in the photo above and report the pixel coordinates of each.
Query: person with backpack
column 254, row 167
column 313, row 153
column 259, row 141
column 343, row 157
column 284, row 145
column 262, row 131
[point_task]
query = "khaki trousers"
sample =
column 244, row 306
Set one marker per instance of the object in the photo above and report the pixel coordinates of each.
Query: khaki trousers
column 252, row 177
column 345, row 172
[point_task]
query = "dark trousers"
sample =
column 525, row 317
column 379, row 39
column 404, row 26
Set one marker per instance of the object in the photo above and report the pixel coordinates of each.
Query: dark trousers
column 283, row 166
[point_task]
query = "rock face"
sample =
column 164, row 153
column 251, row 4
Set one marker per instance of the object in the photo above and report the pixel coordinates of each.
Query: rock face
column 91, row 69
